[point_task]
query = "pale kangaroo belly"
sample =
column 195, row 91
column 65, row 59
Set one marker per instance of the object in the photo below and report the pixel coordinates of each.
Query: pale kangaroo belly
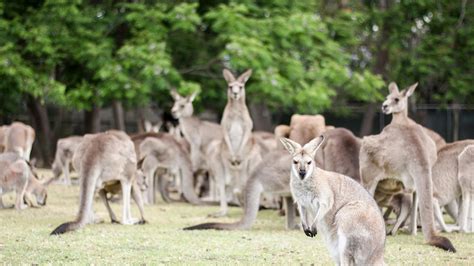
column 236, row 133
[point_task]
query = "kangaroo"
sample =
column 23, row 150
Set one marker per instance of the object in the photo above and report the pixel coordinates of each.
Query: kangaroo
column 199, row 134
column 238, row 151
column 101, row 158
column 114, row 188
column 34, row 187
column 336, row 206
column 19, row 139
column 165, row 152
column 466, row 181
column 405, row 152
column 304, row 128
column 14, row 176
column 273, row 175
column 65, row 149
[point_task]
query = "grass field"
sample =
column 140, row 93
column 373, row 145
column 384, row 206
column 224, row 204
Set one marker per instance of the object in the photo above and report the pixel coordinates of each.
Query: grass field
column 24, row 238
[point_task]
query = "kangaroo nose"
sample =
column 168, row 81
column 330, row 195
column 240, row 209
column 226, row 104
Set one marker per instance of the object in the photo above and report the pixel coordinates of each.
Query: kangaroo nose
column 384, row 107
column 302, row 173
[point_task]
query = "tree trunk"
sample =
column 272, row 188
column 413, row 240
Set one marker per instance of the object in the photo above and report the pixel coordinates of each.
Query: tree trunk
column 380, row 67
column 119, row 118
column 141, row 119
column 368, row 120
column 261, row 116
column 40, row 121
column 92, row 119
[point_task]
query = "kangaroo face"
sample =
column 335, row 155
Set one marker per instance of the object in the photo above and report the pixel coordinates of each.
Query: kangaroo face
column 236, row 90
column 303, row 165
column 182, row 107
column 303, row 157
column 236, row 86
column 397, row 101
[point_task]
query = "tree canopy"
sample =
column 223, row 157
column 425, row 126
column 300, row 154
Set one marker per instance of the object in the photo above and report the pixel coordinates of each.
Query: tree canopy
column 306, row 56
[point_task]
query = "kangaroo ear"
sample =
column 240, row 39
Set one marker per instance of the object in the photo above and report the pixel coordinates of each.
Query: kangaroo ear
column 409, row 91
column 192, row 96
column 245, row 76
column 313, row 146
column 228, row 76
column 392, row 87
column 290, row 145
column 174, row 93
column 148, row 126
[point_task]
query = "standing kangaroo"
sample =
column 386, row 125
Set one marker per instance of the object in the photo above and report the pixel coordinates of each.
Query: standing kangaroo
column 405, row 152
column 238, row 152
column 101, row 158
column 336, row 206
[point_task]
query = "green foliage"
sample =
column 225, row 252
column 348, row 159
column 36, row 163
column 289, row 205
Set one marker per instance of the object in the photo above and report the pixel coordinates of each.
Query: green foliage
column 306, row 56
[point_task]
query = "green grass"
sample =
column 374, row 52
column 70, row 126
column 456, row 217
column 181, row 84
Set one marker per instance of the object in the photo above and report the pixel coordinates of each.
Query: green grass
column 24, row 238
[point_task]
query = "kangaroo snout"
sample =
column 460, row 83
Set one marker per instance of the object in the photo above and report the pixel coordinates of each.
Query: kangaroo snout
column 302, row 174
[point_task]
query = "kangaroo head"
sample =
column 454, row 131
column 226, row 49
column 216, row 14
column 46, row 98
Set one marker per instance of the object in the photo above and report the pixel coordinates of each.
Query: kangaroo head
column 236, row 87
column 303, row 157
column 396, row 100
column 183, row 106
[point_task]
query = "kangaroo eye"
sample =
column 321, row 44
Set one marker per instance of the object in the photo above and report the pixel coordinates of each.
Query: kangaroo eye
column 396, row 100
column 230, row 87
column 295, row 162
column 182, row 105
column 309, row 162
column 240, row 87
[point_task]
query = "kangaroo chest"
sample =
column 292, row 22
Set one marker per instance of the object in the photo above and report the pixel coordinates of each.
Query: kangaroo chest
column 237, row 124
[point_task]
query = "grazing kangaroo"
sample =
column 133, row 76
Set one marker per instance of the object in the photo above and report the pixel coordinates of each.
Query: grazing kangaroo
column 14, row 175
column 466, row 181
column 65, row 149
column 337, row 207
column 19, row 139
column 165, row 152
column 35, row 187
column 273, row 175
column 405, row 152
column 101, row 158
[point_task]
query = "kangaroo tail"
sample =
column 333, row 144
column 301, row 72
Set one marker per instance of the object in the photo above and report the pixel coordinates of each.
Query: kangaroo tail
column 188, row 181
column 87, row 190
column 442, row 243
column 253, row 190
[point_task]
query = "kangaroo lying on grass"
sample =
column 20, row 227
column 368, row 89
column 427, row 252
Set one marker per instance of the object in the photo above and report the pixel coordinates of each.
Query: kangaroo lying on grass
column 337, row 207
column 405, row 152
column 101, row 158
column 273, row 175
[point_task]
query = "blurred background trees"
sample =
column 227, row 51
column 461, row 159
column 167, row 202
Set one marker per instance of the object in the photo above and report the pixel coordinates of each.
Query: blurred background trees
column 59, row 56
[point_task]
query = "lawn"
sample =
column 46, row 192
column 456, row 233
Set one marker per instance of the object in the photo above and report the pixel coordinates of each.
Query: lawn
column 25, row 238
